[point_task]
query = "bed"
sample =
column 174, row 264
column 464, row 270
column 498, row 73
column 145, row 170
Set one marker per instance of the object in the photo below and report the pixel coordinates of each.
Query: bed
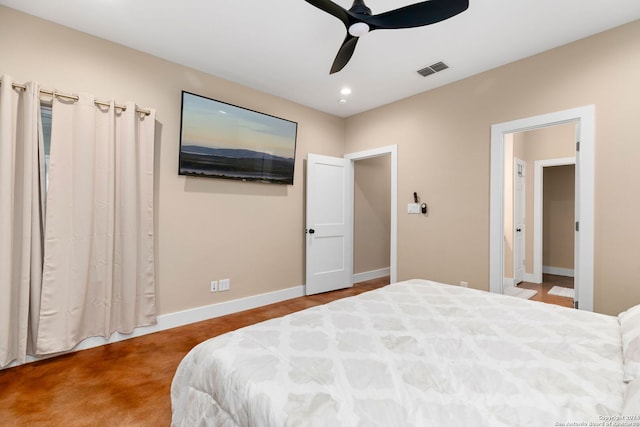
column 417, row 353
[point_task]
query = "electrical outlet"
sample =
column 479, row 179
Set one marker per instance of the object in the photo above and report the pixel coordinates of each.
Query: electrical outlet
column 464, row 284
column 214, row 286
column 225, row 284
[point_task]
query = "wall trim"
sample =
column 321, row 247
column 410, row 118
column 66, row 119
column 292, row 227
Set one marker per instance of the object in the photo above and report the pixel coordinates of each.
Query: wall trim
column 585, row 117
column 527, row 277
column 370, row 275
column 558, row 271
column 185, row 317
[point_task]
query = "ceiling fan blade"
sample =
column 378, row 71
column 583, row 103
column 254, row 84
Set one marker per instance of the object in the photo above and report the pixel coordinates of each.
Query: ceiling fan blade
column 344, row 54
column 417, row 15
column 332, row 9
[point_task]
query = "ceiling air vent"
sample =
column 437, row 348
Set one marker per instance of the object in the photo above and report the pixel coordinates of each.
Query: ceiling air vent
column 426, row 71
column 433, row 68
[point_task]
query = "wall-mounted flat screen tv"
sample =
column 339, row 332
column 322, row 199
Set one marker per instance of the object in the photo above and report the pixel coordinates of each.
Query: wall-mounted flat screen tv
column 221, row 140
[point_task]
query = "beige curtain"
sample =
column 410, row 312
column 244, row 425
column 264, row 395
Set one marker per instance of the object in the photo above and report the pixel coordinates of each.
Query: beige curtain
column 21, row 210
column 98, row 275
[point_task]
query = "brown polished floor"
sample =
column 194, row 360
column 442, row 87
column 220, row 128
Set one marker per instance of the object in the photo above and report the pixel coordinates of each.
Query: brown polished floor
column 128, row 383
column 548, row 282
column 125, row 383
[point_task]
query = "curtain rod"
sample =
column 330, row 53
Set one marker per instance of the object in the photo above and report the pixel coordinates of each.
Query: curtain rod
column 75, row 98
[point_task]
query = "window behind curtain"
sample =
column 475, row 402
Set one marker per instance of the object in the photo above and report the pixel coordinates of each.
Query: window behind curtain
column 45, row 114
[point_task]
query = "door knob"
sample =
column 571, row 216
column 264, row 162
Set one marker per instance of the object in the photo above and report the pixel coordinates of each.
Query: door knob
column 311, row 231
column 518, row 230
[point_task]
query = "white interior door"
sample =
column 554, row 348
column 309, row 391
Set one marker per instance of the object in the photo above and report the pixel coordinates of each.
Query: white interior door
column 329, row 230
column 519, row 186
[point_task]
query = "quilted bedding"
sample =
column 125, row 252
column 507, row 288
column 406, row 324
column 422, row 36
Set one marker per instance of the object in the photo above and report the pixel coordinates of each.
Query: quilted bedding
column 414, row 353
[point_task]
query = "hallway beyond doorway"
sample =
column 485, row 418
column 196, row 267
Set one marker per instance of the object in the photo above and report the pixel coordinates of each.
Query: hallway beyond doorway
column 548, row 282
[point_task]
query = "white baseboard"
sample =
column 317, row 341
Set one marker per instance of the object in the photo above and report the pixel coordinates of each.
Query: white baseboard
column 370, row 275
column 558, row 271
column 181, row 318
column 527, row 277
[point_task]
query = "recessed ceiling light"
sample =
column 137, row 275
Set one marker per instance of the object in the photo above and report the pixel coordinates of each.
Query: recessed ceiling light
column 345, row 91
column 343, row 101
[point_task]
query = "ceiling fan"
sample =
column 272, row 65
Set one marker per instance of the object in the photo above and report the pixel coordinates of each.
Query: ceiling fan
column 359, row 21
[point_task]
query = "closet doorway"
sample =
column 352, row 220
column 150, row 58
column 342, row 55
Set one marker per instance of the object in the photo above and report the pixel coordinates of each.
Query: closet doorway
column 386, row 159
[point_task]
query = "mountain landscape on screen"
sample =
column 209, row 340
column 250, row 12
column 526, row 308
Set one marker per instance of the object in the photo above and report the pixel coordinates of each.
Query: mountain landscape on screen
column 232, row 163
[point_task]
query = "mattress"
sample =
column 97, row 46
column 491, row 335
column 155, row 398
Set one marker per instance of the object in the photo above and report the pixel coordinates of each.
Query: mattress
column 413, row 353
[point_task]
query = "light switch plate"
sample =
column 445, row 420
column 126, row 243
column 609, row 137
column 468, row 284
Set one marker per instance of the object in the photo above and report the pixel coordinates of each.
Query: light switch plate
column 413, row 208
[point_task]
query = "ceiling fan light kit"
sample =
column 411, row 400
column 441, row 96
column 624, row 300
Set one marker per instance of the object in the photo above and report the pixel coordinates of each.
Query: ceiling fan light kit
column 359, row 29
column 358, row 20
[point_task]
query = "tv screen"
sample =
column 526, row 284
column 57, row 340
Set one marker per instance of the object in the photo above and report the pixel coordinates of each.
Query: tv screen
column 221, row 140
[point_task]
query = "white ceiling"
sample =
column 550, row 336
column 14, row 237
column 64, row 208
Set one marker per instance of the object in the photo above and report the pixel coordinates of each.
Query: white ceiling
column 286, row 47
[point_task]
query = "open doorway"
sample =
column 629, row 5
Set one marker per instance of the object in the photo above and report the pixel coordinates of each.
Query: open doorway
column 329, row 218
column 539, row 213
column 376, row 178
column 584, row 119
column 372, row 219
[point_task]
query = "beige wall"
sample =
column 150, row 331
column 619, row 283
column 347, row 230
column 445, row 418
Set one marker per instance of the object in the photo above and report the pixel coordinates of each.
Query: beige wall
column 206, row 228
column 253, row 233
column 372, row 214
column 559, row 216
column 444, row 150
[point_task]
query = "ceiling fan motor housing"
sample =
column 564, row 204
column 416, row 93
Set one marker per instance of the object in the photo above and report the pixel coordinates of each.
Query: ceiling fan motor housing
column 360, row 8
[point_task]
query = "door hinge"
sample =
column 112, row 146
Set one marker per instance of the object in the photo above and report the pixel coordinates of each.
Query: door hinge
column 575, row 305
column 577, row 145
column 577, row 225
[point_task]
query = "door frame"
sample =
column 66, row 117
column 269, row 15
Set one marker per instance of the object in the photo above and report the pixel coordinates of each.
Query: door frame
column 521, row 200
column 391, row 150
column 538, row 183
column 584, row 117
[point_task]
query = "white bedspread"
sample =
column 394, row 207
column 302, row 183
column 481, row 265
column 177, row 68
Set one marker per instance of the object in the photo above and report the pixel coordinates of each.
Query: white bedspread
column 414, row 353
